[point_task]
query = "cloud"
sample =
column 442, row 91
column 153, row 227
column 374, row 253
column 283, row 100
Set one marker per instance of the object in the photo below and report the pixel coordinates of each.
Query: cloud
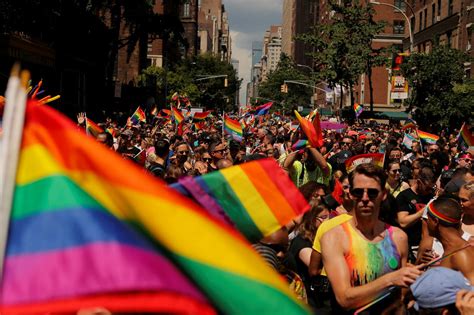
column 248, row 21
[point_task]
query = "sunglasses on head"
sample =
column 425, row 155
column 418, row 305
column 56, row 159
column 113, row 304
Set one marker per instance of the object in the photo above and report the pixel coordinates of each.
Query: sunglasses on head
column 359, row 192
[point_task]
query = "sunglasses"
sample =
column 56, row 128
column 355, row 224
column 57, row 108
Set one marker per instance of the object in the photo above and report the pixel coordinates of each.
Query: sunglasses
column 182, row 152
column 359, row 192
column 395, row 171
column 207, row 159
column 346, row 187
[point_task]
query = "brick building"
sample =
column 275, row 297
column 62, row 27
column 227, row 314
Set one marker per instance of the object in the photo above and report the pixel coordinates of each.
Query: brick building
column 214, row 33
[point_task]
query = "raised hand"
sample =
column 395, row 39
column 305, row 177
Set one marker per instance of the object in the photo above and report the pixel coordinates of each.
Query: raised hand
column 81, row 118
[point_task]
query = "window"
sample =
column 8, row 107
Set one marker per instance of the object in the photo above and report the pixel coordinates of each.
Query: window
column 433, row 13
column 400, row 4
column 439, row 8
column 425, row 22
column 412, row 23
column 186, row 9
column 449, row 36
column 450, row 7
column 398, row 27
column 421, row 21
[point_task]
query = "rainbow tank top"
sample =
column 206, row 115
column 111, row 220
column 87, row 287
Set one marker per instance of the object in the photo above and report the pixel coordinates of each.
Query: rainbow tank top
column 369, row 261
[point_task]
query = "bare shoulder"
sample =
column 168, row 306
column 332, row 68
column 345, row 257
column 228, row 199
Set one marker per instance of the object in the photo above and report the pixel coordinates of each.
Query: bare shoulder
column 333, row 239
column 399, row 235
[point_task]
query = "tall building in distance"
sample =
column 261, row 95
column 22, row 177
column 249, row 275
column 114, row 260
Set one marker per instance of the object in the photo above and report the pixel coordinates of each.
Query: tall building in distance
column 271, row 50
column 235, row 65
column 298, row 18
column 214, row 33
column 448, row 22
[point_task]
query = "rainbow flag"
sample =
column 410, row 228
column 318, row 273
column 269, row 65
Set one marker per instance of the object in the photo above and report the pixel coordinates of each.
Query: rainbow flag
column 233, row 128
column 257, row 198
column 466, row 137
column 372, row 158
column 154, row 111
column 177, row 115
column 201, row 116
column 409, row 124
column 309, row 129
column 427, row 137
column 92, row 128
column 300, row 144
column 198, row 126
column 263, row 109
column 111, row 131
column 358, row 109
column 138, row 116
column 89, row 228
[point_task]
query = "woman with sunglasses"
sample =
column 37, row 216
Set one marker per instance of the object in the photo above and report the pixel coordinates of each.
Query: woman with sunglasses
column 395, row 184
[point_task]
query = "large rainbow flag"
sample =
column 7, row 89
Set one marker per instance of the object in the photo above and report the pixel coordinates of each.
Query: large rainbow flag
column 257, row 198
column 427, row 137
column 138, row 116
column 89, row 228
column 372, row 158
column 233, row 128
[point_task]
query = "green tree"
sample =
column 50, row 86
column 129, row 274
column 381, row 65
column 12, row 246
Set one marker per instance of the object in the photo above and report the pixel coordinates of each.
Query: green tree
column 297, row 94
column 210, row 93
column 342, row 49
column 440, row 95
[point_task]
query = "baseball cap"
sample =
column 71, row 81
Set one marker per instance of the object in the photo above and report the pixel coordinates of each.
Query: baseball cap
column 438, row 287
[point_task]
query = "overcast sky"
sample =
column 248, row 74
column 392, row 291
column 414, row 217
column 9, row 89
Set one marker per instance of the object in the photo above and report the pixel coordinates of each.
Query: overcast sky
column 248, row 20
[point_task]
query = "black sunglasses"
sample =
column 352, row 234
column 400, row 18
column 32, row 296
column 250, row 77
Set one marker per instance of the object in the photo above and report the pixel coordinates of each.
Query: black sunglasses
column 359, row 192
column 207, row 159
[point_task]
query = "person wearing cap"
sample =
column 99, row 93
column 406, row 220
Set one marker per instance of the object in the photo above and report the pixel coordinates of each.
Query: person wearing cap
column 444, row 223
column 464, row 160
column 435, row 292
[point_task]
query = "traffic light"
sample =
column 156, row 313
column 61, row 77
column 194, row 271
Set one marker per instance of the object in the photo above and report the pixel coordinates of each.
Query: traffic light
column 225, row 82
column 284, row 88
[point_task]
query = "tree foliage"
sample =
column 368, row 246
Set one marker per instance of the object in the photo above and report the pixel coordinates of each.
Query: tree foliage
column 210, row 93
column 342, row 49
column 298, row 95
column 440, row 95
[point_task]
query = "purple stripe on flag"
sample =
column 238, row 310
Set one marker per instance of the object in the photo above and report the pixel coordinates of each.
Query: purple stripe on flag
column 91, row 269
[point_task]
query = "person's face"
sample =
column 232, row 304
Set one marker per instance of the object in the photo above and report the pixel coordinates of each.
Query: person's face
column 318, row 194
column 373, row 149
column 206, row 158
column 465, row 162
column 346, row 188
column 394, row 171
column 415, row 147
column 432, row 225
column 269, row 151
column 219, row 151
column 182, row 152
column 433, row 148
column 367, row 196
column 426, row 188
column 346, row 143
column 321, row 217
column 466, row 201
column 395, row 155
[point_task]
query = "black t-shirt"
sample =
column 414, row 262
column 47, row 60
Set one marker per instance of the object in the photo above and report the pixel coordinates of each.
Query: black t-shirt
column 293, row 262
column 407, row 200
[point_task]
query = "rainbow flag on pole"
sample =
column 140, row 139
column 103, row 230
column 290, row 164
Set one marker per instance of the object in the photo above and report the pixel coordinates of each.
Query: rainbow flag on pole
column 263, row 109
column 466, row 137
column 233, row 128
column 427, row 137
column 201, row 116
column 372, row 158
column 177, row 115
column 89, row 228
column 138, row 116
column 257, row 198
column 92, row 128
column 358, row 109
column 409, row 124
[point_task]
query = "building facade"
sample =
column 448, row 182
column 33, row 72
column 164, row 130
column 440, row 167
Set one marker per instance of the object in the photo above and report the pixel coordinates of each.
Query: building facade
column 271, row 50
column 214, row 32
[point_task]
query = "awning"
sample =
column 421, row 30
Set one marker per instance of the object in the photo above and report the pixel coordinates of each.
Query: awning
column 325, row 111
column 392, row 115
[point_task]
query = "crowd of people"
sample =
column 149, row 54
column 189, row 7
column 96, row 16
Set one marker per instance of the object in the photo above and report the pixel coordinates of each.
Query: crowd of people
column 391, row 240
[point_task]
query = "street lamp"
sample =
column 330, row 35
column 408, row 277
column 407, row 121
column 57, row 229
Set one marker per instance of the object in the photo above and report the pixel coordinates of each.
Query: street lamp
column 404, row 15
column 304, row 66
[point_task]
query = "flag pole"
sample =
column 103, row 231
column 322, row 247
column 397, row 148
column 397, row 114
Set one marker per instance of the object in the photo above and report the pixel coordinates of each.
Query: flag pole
column 15, row 106
column 223, row 123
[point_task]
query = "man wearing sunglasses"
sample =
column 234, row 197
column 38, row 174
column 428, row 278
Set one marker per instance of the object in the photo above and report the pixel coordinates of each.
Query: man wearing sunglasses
column 364, row 257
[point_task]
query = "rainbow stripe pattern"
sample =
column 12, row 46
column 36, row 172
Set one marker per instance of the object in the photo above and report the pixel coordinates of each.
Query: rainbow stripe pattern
column 409, row 124
column 233, row 128
column 257, row 198
column 372, row 158
column 300, row 144
column 92, row 128
column 89, row 228
column 263, row 109
column 466, row 137
column 368, row 261
column 427, row 137
column 138, row 116
column 177, row 115
column 201, row 116
column 309, row 129
column 358, row 109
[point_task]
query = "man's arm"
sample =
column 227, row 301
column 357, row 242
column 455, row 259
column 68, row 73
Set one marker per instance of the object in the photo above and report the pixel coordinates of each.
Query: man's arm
column 426, row 244
column 338, row 273
column 319, row 159
column 405, row 219
column 314, row 268
column 290, row 159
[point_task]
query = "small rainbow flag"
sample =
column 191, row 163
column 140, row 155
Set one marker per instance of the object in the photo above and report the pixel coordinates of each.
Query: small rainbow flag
column 300, row 144
column 233, row 128
column 358, row 109
column 164, row 113
column 309, row 129
column 89, row 224
column 201, row 116
column 409, row 124
column 466, row 137
column 263, row 109
column 138, row 116
column 372, row 158
column 198, row 126
column 257, row 198
column 177, row 115
column 92, row 128
column 427, row 137
column 111, row 131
